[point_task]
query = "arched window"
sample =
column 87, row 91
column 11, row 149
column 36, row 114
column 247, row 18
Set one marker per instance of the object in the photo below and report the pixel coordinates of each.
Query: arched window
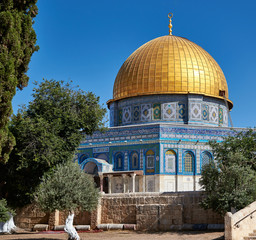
column 150, row 156
column 188, row 163
column 134, row 162
column 206, row 157
column 170, row 161
column 119, row 161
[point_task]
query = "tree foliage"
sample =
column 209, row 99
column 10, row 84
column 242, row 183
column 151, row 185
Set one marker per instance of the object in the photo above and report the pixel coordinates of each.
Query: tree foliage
column 230, row 181
column 67, row 188
column 17, row 44
column 47, row 133
column 4, row 211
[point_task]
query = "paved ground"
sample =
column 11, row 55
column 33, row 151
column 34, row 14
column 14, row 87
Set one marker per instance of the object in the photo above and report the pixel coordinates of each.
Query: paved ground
column 119, row 235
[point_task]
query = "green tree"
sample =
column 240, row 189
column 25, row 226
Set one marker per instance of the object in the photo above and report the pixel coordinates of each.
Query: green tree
column 47, row 133
column 230, row 180
column 67, row 188
column 4, row 211
column 17, row 44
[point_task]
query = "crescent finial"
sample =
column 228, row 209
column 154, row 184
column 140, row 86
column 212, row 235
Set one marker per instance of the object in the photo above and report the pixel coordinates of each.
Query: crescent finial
column 170, row 23
column 170, row 16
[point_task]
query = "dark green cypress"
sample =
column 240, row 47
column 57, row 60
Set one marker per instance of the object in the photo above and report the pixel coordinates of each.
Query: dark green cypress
column 17, row 44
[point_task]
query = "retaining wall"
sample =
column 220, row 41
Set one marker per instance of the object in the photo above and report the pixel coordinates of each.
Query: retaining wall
column 149, row 211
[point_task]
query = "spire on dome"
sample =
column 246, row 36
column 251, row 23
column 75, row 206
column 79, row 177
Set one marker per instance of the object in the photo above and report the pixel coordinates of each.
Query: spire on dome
column 170, row 23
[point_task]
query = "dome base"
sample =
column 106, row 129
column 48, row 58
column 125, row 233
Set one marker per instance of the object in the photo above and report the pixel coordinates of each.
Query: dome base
column 191, row 109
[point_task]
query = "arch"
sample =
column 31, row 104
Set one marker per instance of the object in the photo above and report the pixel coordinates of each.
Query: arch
column 103, row 166
column 170, row 161
column 150, row 159
column 206, row 157
column 150, row 152
column 119, row 161
column 134, row 160
column 91, row 168
column 189, row 160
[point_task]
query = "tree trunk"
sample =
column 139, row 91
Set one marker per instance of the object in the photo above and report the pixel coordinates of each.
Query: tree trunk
column 69, row 228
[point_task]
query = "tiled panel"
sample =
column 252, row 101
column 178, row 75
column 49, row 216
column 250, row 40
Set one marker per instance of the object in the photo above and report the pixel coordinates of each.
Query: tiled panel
column 205, row 112
column 195, row 111
column 136, row 113
column 146, row 112
column 127, row 115
column 213, row 112
column 169, row 111
column 156, row 111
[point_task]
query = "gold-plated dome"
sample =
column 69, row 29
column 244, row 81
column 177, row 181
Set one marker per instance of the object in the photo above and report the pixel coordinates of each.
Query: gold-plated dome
column 170, row 65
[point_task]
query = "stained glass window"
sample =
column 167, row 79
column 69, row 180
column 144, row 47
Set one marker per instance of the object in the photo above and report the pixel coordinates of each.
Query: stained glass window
column 150, row 159
column 206, row 158
column 170, row 159
column 188, row 162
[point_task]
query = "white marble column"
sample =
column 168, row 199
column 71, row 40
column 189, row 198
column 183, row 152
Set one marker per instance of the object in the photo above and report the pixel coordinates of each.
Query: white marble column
column 124, row 182
column 133, row 175
column 101, row 182
column 143, row 183
column 109, row 183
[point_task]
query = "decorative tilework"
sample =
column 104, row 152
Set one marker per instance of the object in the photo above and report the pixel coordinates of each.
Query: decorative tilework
column 180, row 160
column 197, row 159
column 156, row 111
column 213, row 110
column 195, row 111
column 225, row 117
column 112, row 118
column 136, row 113
column 181, row 111
column 120, row 116
column 145, row 112
column 169, row 111
column 205, row 112
column 127, row 115
column 126, row 161
column 220, row 115
column 161, row 157
column 141, row 159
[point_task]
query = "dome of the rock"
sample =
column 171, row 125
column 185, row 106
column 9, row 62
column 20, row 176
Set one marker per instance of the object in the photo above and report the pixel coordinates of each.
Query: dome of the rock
column 170, row 65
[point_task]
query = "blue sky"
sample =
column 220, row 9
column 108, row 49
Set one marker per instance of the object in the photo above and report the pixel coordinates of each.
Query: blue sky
column 88, row 41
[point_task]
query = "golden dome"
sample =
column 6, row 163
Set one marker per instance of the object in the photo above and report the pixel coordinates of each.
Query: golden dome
column 170, row 65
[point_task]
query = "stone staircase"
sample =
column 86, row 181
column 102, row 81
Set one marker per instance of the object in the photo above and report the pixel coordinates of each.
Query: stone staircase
column 241, row 224
column 251, row 236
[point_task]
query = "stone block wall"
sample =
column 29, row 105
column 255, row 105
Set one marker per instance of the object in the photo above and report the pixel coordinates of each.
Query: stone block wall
column 30, row 215
column 149, row 211
column 156, row 211
column 118, row 209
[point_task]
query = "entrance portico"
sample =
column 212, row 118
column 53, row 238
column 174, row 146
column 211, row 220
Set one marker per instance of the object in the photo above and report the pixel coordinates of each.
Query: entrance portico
column 113, row 182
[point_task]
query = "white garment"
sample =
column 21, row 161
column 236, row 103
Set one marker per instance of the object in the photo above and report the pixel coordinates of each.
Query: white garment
column 69, row 228
column 8, row 226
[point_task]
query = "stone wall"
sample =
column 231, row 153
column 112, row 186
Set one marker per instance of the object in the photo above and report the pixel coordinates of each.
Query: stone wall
column 149, row 211
column 30, row 215
column 157, row 211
